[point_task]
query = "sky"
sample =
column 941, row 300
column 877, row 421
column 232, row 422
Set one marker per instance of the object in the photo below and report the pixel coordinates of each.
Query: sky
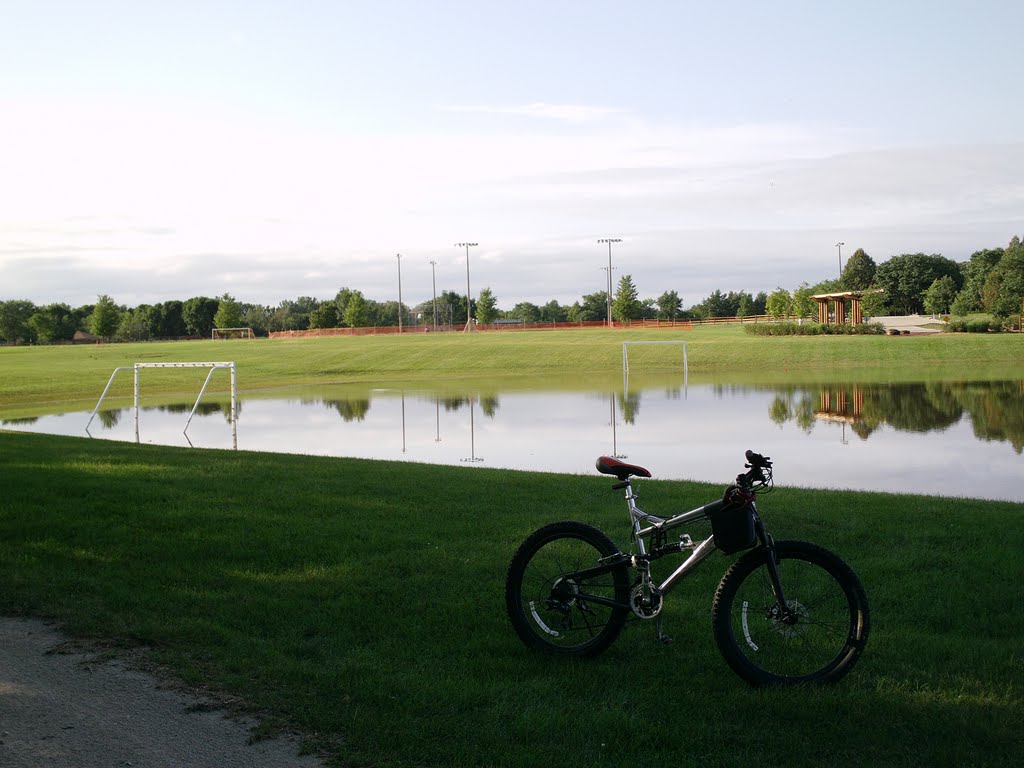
column 269, row 150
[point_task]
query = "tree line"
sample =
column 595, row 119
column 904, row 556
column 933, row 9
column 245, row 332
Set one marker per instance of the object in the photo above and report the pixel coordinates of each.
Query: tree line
column 992, row 281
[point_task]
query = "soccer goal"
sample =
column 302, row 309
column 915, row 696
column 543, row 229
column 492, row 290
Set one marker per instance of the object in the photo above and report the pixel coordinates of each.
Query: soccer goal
column 213, row 368
column 661, row 360
column 232, row 333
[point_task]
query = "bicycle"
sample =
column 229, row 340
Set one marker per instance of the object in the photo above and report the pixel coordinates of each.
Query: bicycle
column 785, row 612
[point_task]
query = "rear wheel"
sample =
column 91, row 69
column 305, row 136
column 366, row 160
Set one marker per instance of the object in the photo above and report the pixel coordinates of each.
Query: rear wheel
column 551, row 606
column 817, row 640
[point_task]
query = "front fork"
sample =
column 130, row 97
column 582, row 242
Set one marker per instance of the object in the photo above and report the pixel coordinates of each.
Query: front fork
column 768, row 543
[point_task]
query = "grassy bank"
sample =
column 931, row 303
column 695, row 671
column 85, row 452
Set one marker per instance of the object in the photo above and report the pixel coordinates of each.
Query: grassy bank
column 363, row 603
column 47, row 379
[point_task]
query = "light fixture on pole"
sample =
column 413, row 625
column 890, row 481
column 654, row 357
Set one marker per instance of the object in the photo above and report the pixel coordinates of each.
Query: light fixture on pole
column 610, row 240
column 469, row 306
column 433, row 276
column 840, row 247
column 399, row 257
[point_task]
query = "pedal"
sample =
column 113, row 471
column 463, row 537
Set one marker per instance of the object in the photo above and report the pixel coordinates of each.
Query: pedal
column 663, row 638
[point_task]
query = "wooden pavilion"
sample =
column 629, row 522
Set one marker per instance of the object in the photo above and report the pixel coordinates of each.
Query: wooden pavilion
column 838, row 303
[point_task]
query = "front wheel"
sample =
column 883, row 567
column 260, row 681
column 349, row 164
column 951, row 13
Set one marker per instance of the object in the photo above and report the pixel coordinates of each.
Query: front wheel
column 560, row 596
column 816, row 639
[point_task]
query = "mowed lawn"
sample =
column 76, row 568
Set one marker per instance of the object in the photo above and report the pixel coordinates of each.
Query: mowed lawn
column 361, row 602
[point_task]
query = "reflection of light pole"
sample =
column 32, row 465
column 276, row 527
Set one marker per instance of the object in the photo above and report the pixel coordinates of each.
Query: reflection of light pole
column 610, row 240
column 469, row 306
column 399, row 257
column 472, row 435
column 615, row 447
column 433, row 277
column 840, row 247
column 437, row 417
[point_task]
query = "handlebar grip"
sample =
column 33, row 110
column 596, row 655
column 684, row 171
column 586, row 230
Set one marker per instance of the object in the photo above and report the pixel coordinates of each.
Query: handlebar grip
column 757, row 460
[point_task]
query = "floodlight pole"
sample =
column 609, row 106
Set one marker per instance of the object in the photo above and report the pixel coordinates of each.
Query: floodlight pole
column 399, row 257
column 469, row 305
column 433, row 276
column 610, row 240
column 840, row 247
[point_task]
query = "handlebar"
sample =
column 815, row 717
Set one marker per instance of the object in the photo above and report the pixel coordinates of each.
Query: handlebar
column 759, row 472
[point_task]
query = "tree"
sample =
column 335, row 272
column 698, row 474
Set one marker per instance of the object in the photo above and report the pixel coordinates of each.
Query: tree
column 940, row 295
column 780, row 303
column 525, row 311
column 593, row 307
column 976, row 272
column 905, row 279
column 670, row 306
column 626, row 305
column 486, row 307
column 356, row 314
column 744, row 307
column 170, row 321
column 760, row 305
column 553, row 312
column 1011, row 277
column 229, row 313
column 324, row 316
column 803, row 303
column 859, row 272
column 197, row 314
column 257, row 317
column 105, row 319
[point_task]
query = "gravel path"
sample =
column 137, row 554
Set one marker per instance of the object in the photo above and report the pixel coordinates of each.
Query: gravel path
column 69, row 710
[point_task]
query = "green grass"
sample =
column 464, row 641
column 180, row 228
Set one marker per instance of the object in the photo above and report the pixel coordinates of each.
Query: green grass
column 36, row 380
column 362, row 602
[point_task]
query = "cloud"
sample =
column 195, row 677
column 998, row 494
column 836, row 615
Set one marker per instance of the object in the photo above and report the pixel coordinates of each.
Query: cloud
column 570, row 113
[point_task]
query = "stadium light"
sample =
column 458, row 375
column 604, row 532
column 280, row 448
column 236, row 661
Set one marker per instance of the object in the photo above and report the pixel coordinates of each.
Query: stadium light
column 469, row 305
column 610, row 240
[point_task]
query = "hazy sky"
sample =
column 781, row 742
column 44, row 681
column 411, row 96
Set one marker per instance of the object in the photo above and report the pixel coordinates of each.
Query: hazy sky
column 154, row 150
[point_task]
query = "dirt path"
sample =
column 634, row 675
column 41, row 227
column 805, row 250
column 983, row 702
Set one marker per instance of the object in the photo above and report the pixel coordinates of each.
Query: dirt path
column 71, row 710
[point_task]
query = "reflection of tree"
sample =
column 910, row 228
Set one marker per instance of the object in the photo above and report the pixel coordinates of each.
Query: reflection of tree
column 454, row 403
column 995, row 409
column 489, row 405
column 25, row 420
column 203, row 409
column 629, row 404
column 912, row 407
column 354, row 409
column 109, row 419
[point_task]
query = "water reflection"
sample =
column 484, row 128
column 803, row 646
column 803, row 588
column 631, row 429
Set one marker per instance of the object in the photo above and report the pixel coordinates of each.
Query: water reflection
column 994, row 408
column 952, row 438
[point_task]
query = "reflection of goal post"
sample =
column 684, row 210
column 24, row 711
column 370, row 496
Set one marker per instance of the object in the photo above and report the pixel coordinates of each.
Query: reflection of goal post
column 627, row 344
column 232, row 333
column 212, row 366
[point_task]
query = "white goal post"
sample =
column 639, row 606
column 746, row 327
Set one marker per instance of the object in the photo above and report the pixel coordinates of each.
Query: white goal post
column 625, row 353
column 212, row 366
column 232, row 333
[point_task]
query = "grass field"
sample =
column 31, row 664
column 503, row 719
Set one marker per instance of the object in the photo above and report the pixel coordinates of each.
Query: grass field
column 36, row 380
column 362, row 602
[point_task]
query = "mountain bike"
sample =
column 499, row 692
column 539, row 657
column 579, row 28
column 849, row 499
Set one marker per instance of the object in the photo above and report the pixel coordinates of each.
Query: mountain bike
column 785, row 612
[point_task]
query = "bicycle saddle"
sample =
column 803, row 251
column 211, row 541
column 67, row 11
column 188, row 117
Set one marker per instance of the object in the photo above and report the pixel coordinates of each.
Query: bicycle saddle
column 606, row 465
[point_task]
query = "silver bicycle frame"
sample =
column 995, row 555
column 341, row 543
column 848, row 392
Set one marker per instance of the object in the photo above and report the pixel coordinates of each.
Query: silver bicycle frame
column 640, row 518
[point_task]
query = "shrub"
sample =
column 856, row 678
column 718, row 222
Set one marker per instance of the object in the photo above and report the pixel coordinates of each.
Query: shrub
column 814, row 329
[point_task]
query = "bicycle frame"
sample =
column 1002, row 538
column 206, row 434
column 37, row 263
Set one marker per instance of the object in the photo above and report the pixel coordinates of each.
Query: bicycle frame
column 699, row 552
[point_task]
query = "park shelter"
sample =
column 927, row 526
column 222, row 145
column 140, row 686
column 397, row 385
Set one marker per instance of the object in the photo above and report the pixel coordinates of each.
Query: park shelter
column 838, row 303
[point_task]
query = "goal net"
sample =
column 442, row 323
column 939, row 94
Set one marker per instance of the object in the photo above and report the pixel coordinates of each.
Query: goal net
column 664, row 355
column 233, row 333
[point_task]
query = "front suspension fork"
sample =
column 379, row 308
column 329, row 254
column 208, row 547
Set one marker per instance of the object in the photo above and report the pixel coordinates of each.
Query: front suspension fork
column 773, row 570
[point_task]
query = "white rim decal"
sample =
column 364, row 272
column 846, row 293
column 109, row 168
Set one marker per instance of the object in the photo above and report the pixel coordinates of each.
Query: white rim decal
column 746, row 630
column 540, row 622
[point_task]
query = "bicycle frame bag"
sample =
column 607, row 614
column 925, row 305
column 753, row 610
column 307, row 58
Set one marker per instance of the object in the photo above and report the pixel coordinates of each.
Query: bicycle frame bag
column 732, row 525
